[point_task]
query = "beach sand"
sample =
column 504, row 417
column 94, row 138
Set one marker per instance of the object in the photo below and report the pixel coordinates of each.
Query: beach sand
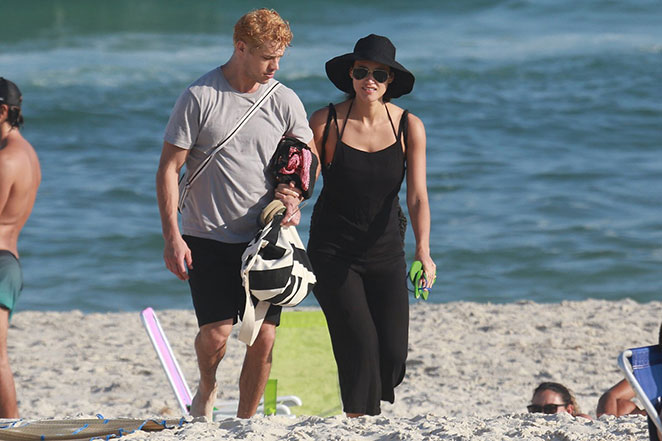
column 471, row 370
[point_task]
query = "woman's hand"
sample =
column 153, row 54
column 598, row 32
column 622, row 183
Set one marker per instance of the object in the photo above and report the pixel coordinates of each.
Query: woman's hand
column 429, row 268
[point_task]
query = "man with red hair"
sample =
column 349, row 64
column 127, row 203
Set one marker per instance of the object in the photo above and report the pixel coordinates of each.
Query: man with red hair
column 221, row 208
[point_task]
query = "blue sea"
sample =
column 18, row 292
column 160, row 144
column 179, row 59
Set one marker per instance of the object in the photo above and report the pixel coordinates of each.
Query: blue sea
column 543, row 119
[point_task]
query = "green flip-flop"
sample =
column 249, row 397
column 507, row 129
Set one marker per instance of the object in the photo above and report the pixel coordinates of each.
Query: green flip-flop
column 416, row 273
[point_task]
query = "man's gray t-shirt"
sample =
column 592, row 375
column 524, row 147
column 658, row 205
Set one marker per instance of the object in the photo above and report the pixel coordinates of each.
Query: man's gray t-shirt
column 225, row 201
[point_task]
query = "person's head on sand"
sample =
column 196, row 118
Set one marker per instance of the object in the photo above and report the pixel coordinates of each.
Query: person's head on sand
column 552, row 398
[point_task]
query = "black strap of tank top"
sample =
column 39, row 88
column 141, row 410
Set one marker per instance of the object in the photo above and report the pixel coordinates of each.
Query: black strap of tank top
column 391, row 121
column 325, row 135
column 402, row 130
column 346, row 118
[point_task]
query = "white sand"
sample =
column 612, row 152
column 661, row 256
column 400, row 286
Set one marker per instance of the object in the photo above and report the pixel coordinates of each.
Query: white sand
column 470, row 373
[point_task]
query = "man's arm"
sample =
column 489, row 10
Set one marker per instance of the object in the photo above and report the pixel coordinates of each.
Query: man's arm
column 176, row 253
column 291, row 196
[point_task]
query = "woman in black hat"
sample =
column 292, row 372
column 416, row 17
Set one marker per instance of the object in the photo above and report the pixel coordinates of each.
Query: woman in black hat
column 357, row 230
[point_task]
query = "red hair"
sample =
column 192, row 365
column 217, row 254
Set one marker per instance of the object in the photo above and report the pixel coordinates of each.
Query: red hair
column 260, row 26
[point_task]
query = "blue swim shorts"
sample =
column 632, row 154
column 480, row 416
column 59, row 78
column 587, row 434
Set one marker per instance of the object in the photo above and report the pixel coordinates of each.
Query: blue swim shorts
column 11, row 280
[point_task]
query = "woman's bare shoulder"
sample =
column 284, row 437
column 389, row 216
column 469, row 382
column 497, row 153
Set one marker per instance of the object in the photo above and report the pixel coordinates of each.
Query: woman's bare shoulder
column 414, row 122
column 320, row 116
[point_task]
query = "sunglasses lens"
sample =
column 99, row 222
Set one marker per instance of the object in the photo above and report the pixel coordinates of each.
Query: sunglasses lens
column 359, row 73
column 547, row 408
column 550, row 408
column 380, row 75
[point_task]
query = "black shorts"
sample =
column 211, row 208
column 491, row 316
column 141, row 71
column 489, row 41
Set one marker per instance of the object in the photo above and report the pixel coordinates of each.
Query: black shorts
column 215, row 281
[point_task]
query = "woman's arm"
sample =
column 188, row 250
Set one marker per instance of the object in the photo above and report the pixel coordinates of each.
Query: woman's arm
column 417, row 194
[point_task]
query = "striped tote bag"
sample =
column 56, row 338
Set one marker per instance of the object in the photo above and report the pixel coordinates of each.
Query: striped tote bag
column 275, row 270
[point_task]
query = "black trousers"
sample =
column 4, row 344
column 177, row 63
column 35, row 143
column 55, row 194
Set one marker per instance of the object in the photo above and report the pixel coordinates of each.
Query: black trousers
column 367, row 309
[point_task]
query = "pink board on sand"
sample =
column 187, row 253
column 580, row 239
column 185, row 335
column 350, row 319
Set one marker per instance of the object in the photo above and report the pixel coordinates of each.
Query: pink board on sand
column 167, row 358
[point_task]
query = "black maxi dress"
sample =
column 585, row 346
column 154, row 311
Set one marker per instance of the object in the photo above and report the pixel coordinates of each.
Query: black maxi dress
column 357, row 250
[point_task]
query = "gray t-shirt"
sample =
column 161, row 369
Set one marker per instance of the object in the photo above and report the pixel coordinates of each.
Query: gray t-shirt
column 225, row 201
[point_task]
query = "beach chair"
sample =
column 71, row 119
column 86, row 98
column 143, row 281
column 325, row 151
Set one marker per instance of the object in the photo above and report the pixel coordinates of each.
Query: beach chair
column 643, row 370
column 175, row 376
column 304, row 364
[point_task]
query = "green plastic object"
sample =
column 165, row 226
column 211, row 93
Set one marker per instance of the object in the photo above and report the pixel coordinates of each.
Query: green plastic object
column 270, row 394
column 304, row 364
column 416, row 273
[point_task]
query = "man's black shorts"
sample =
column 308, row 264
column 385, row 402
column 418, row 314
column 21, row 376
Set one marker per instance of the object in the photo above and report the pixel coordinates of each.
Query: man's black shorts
column 215, row 281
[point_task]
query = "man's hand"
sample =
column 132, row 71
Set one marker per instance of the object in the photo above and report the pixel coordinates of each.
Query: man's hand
column 177, row 257
column 290, row 196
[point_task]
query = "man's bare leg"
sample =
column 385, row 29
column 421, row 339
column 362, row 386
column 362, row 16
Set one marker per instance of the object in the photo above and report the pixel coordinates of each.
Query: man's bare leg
column 255, row 371
column 8, row 405
column 210, row 346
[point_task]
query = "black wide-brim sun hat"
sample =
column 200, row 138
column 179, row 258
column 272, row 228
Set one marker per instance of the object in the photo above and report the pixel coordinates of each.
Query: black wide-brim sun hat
column 372, row 48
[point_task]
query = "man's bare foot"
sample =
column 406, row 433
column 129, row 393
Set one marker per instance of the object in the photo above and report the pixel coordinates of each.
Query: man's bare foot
column 204, row 406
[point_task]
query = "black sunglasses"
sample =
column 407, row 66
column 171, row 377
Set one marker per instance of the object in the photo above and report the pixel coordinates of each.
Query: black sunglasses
column 380, row 75
column 547, row 408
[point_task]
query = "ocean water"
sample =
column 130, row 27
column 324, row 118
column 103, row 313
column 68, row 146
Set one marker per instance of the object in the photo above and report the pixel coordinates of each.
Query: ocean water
column 543, row 119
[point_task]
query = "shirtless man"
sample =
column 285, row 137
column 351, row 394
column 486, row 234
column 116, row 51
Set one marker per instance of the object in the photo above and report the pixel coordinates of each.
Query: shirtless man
column 20, row 176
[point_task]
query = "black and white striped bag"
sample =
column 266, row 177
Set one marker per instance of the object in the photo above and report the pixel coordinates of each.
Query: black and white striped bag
column 275, row 270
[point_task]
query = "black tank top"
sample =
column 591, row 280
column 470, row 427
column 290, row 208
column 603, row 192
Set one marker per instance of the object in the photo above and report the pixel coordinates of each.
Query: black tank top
column 357, row 212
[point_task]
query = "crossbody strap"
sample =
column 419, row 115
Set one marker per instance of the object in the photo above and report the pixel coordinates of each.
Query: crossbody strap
column 250, row 112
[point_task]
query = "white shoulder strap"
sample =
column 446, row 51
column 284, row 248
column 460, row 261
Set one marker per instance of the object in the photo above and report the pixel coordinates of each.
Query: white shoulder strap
column 250, row 112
